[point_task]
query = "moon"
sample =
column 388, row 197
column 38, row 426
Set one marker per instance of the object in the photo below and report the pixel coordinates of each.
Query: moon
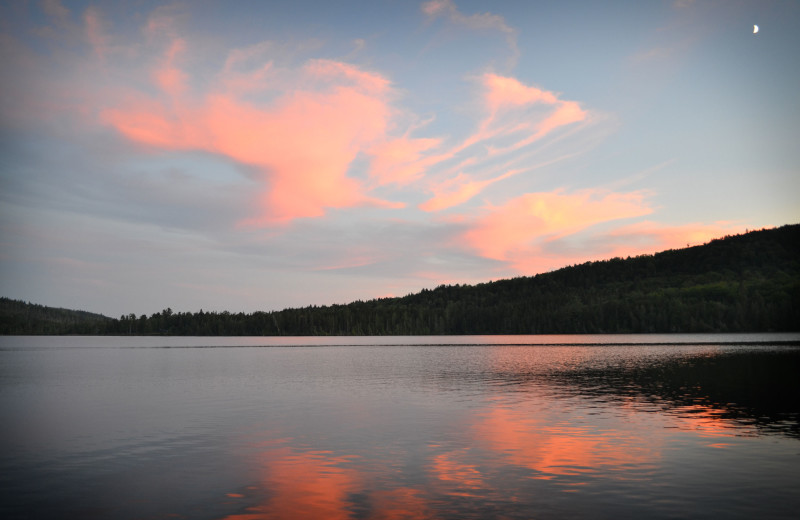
column 755, row 29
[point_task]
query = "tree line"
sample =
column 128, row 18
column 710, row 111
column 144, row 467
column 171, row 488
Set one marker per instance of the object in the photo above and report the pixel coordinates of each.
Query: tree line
column 742, row 283
column 18, row 317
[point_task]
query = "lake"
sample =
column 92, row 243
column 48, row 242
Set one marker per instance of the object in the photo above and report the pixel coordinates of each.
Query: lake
column 443, row 427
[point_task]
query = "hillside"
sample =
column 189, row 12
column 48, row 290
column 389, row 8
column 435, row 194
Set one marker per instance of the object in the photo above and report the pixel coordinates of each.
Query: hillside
column 742, row 283
column 18, row 317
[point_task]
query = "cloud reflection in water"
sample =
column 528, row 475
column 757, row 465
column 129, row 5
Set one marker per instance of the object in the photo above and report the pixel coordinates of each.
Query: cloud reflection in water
column 581, row 428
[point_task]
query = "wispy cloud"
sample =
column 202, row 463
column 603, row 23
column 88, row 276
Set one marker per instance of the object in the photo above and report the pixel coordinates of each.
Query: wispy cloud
column 304, row 127
column 505, row 91
column 401, row 160
column 517, row 115
column 55, row 9
column 168, row 75
column 648, row 236
column 95, row 32
column 480, row 21
column 458, row 190
column 303, row 142
column 515, row 231
column 424, row 157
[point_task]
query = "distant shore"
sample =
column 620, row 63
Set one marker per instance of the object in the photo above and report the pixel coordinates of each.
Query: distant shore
column 742, row 283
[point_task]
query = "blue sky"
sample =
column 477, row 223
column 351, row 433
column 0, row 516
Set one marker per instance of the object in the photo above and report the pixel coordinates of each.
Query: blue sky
column 200, row 156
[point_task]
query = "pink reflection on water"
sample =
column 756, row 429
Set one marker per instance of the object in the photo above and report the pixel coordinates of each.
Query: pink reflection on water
column 570, row 448
column 454, row 476
column 708, row 421
column 304, row 485
column 321, row 484
column 401, row 503
column 555, row 445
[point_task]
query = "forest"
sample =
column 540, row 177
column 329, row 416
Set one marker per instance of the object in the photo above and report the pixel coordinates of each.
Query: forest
column 741, row 283
column 17, row 317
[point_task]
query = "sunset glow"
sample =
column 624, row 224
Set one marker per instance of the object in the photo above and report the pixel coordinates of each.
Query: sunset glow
column 280, row 155
column 565, row 447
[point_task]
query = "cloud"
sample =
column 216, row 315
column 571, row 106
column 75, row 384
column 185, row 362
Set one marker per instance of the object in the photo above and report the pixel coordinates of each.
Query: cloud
column 303, row 142
column 95, row 33
column 517, row 112
column 506, row 91
column 458, row 190
column 648, row 236
column 438, row 7
column 240, row 77
column 400, row 160
column 513, row 107
column 168, row 76
column 568, row 112
column 514, row 232
column 335, row 70
column 55, row 9
column 358, row 45
column 166, row 21
column 538, row 232
column 308, row 129
column 453, row 192
column 483, row 21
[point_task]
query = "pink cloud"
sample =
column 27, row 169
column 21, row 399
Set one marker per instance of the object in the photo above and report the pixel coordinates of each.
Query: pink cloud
column 437, row 7
column 513, row 108
column 335, row 71
column 252, row 70
column 568, row 112
column 453, row 192
column 303, row 128
column 504, row 91
column 448, row 9
column 164, row 21
column 630, row 240
column 511, row 232
column 478, row 21
column 169, row 77
column 303, row 142
column 510, row 97
column 239, row 57
column 94, row 32
column 539, row 232
column 401, row 160
column 647, row 237
column 458, row 190
column 353, row 260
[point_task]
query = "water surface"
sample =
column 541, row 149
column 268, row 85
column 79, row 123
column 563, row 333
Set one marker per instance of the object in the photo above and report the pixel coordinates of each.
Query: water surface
column 663, row 426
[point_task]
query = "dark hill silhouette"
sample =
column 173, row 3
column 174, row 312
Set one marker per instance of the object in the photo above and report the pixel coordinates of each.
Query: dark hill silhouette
column 742, row 283
column 18, row 317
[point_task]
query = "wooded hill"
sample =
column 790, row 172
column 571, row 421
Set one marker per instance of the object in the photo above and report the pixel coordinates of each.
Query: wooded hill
column 742, row 283
column 18, row 317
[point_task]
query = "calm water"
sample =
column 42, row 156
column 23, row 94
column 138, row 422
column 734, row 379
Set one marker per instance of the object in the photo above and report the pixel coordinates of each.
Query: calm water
column 655, row 426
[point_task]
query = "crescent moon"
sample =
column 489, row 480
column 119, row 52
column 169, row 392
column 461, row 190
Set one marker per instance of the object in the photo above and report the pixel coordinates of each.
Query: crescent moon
column 755, row 29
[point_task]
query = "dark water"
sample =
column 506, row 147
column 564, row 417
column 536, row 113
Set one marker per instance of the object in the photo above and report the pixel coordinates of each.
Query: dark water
column 668, row 426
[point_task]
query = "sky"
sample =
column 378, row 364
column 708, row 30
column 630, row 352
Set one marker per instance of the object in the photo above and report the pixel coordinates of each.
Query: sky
column 263, row 155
